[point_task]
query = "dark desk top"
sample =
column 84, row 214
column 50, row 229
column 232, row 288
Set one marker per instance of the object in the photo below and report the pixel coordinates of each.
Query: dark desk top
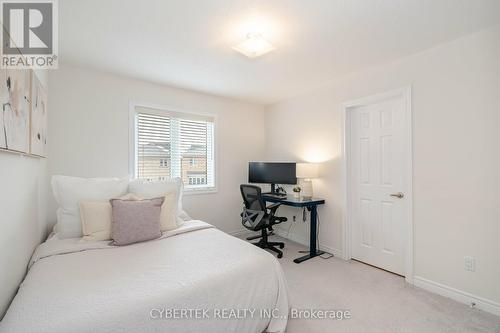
column 295, row 202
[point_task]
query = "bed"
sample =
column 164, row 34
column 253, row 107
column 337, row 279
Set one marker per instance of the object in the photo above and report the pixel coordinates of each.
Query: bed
column 193, row 279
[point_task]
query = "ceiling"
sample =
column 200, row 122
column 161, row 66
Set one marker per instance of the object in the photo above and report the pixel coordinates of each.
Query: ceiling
column 187, row 43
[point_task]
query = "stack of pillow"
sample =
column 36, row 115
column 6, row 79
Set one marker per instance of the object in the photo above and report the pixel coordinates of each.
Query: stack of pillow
column 98, row 209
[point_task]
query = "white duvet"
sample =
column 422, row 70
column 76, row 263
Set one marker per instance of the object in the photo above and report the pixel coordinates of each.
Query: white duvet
column 194, row 279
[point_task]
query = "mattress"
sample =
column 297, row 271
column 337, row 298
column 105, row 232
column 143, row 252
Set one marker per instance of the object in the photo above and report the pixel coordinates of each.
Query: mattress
column 193, row 279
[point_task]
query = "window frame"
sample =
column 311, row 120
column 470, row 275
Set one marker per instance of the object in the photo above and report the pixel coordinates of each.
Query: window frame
column 161, row 110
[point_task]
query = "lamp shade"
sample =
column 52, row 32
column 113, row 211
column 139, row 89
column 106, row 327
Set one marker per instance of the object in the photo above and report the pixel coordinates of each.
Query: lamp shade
column 307, row 170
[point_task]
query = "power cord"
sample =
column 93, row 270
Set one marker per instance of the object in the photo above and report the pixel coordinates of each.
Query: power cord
column 326, row 255
column 289, row 228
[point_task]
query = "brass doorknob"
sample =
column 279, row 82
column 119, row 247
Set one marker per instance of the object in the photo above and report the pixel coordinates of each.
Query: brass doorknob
column 398, row 195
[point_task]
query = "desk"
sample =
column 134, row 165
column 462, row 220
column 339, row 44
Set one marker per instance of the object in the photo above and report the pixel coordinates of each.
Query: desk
column 310, row 204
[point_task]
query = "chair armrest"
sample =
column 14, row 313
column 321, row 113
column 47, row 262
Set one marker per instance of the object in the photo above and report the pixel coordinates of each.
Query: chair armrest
column 273, row 207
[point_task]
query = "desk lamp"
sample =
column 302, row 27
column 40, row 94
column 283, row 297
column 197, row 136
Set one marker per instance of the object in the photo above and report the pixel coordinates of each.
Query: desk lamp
column 305, row 172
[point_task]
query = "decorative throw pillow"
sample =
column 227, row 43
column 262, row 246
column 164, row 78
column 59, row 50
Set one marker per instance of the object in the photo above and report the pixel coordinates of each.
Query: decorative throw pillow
column 135, row 221
column 96, row 218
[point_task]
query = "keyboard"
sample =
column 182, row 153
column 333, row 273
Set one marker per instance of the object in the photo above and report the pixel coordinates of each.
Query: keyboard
column 273, row 195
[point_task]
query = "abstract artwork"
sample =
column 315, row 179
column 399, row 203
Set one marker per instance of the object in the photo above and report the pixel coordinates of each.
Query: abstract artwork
column 38, row 136
column 15, row 109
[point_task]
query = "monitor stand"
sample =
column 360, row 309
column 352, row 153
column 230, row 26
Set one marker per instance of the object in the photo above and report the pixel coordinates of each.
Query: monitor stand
column 274, row 193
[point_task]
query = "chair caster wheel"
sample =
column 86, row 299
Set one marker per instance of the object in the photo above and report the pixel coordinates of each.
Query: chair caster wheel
column 280, row 255
column 282, row 246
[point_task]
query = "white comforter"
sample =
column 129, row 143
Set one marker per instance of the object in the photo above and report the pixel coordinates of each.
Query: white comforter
column 213, row 281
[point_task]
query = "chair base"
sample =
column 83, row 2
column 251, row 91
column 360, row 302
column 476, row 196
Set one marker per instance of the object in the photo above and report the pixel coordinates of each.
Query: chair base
column 259, row 236
column 271, row 246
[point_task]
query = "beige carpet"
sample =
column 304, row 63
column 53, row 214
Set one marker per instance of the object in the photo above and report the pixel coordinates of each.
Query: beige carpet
column 378, row 301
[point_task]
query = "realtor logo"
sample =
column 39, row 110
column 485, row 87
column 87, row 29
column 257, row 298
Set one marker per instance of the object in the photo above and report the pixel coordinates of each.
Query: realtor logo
column 29, row 38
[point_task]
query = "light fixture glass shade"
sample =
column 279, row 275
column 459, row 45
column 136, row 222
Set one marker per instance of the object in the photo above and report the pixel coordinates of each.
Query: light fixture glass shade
column 254, row 46
column 307, row 170
column 306, row 188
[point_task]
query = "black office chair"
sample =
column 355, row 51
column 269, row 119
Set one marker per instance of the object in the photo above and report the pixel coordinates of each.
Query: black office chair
column 256, row 216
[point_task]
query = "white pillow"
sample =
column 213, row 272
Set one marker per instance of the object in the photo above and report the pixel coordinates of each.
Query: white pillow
column 182, row 217
column 153, row 189
column 70, row 191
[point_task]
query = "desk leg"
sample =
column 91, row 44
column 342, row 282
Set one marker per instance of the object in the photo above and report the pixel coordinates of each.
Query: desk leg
column 313, row 252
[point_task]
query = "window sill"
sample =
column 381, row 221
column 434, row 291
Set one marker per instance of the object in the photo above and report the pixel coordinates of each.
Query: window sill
column 188, row 191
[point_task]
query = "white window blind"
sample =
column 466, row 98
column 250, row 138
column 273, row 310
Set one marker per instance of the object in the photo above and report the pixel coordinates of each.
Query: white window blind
column 174, row 144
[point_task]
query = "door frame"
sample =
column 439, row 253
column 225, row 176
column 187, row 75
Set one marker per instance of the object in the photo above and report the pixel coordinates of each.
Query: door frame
column 405, row 94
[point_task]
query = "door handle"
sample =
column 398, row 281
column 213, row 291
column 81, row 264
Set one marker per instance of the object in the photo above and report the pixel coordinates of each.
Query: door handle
column 398, row 195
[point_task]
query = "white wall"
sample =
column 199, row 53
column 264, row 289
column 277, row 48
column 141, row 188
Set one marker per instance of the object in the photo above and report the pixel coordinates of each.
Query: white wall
column 89, row 121
column 456, row 136
column 23, row 183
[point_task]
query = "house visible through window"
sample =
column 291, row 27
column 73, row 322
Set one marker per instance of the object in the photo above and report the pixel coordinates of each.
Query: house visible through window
column 174, row 144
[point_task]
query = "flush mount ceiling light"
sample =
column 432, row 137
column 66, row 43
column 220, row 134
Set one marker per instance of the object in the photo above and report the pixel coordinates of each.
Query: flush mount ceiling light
column 254, row 46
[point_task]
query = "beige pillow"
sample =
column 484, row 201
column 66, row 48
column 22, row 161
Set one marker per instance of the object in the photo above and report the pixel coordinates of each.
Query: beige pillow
column 96, row 216
column 96, row 220
column 168, row 215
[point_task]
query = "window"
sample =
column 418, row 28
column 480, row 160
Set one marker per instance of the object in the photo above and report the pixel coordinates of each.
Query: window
column 163, row 163
column 174, row 144
column 196, row 178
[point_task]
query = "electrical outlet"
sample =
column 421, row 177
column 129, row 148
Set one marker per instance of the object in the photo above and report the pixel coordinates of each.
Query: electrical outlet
column 469, row 263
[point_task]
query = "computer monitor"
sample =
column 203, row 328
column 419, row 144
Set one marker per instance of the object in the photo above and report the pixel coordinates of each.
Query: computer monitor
column 272, row 173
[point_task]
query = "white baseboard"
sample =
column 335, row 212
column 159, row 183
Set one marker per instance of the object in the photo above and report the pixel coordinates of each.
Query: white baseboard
column 305, row 241
column 431, row 286
column 457, row 295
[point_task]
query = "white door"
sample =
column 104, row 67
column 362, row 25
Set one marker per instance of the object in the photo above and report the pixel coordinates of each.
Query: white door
column 378, row 180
